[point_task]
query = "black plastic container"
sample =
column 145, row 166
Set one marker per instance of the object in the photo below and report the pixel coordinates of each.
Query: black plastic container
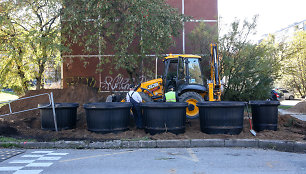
column 221, row 117
column 66, row 114
column 110, row 117
column 164, row 117
column 264, row 115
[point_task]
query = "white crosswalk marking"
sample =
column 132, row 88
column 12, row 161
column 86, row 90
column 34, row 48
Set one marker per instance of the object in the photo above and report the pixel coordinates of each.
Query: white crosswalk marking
column 32, row 156
column 55, row 154
column 42, row 152
column 35, row 159
column 39, row 165
column 22, row 161
column 28, row 172
column 49, row 158
column 10, row 168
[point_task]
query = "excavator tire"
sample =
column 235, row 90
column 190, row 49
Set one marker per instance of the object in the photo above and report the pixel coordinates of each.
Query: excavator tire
column 145, row 97
column 192, row 111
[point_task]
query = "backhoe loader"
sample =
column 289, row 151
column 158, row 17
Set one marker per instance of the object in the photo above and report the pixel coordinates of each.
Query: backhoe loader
column 184, row 73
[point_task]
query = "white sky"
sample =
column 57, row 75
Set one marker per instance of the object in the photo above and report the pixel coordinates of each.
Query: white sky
column 273, row 14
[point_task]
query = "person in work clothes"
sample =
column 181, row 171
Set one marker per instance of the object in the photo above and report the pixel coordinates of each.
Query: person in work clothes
column 170, row 96
column 134, row 97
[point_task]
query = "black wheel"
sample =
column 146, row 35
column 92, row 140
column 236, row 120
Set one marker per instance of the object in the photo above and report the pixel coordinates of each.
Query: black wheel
column 145, row 97
column 291, row 97
column 191, row 98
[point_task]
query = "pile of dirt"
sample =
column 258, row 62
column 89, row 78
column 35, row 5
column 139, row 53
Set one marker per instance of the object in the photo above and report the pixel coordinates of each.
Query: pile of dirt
column 299, row 108
column 28, row 125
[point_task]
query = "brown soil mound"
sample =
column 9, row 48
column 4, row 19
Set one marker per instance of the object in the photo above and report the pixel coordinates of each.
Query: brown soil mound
column 27, row 124
column 299, row 108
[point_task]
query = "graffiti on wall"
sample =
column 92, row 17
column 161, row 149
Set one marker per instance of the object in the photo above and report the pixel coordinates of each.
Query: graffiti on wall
column 74, row 81
column 107, row 83
column 119, row 83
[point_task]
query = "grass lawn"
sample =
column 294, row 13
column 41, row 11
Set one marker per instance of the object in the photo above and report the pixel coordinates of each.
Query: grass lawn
column 6, row 96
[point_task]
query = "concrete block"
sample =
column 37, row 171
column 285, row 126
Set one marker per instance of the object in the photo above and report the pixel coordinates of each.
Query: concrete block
column 147, row 144
column 112, row 144
column 71, row 144
column 241, row 143
column 286, row 146
column 299, row 147
column 172, row 143
column 130, row 144
column 96, row 145
column 207, row 143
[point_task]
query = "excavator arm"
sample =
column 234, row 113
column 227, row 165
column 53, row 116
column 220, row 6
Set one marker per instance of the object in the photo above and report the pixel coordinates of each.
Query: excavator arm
column 214, row 85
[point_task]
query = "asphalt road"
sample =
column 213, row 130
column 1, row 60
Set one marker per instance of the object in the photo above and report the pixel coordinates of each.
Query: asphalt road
column 155, row 161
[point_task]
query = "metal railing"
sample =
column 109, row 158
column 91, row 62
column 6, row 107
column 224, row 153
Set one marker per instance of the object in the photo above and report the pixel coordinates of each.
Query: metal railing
column 51, row 103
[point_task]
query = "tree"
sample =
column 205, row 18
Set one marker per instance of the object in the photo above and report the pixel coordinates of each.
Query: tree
column 133, row 28
column 35, row 24
column 249, row 69
column 294, row 63
column 201, row 38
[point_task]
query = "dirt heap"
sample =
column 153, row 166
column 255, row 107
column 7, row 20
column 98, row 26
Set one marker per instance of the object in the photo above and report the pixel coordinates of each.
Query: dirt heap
column 299, row 108
column 27, row 124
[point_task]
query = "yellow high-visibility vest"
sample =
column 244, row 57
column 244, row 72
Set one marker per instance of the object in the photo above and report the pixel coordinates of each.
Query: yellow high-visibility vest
column 170, row 96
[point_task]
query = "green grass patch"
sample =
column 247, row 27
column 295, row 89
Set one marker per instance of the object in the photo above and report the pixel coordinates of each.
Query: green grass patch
column 284, row 107
column 10, row 145
column 10, row 139
column 7, row 96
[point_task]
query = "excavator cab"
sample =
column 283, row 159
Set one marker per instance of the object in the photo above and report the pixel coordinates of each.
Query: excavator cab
column 183, row 72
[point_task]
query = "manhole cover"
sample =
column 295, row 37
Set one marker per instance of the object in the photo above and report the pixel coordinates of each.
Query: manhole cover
column 8, row 153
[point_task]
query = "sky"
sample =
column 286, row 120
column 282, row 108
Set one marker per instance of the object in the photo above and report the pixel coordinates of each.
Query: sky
column 273, row 14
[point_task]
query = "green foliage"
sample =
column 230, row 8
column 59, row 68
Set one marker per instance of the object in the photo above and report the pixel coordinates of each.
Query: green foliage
column 30, row 32
column 201, row 38
column 294, row 63
column 248, row 69
column 130, row 28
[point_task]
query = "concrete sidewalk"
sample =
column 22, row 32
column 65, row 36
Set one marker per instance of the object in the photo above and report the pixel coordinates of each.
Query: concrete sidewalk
column 279, row 145
column 300, row 116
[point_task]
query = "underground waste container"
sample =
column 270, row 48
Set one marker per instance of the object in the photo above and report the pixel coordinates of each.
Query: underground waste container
column 221, row 117
column 109, row 117
column 161, row 117
column 66, row 114
column 264, row 115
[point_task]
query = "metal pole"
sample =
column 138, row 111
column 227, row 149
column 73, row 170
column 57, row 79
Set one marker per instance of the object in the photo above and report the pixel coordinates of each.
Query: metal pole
column 54, row 114
column 155, row 67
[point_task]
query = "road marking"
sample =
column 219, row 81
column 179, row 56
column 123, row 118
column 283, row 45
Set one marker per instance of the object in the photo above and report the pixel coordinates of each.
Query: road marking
column 49, row 158
column 55, row 154
column 28, row 172
column 22, row 161
column 95, row 156
column 32, row 156
column 39, row 165
column 11, row 168
column 42, row 152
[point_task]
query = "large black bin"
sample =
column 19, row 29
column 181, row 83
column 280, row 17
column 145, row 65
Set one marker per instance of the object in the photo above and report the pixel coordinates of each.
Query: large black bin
column 221, row 117
column 107, row 117
column 66, row 114
column 264, row 115
column 164, row 117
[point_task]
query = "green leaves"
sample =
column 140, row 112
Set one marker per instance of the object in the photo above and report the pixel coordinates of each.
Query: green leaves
column 131, row 28
column 249, row 69
column 31, row 29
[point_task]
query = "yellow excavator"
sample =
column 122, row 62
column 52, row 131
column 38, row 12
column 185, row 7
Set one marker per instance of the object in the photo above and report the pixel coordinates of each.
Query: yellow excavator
column 184, row 73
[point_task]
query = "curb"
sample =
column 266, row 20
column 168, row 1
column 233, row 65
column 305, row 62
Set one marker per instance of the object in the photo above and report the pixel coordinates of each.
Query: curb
column 279, row 145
